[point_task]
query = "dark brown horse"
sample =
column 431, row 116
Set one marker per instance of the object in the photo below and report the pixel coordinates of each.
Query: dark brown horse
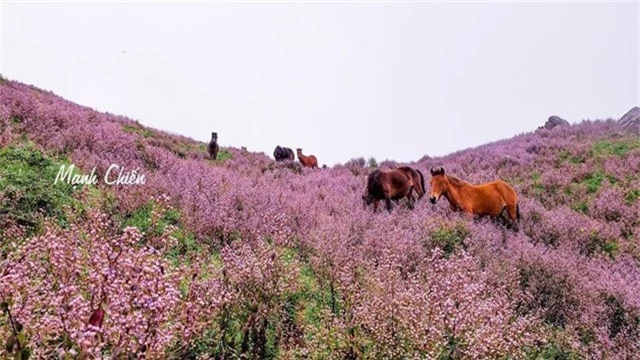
column 393, row 184
column 282, row 153
column 213, row 146
column 307, row 161
column 490, row 199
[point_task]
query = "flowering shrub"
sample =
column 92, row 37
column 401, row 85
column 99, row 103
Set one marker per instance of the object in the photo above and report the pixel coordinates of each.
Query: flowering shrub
column 463, row 315
column 58, row 282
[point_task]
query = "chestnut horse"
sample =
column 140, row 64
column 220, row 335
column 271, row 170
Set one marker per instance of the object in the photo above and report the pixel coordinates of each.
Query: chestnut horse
column 490, row 199
column 307, row 161
column 393, row 184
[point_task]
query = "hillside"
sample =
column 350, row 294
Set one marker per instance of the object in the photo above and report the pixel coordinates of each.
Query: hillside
column 243, row 257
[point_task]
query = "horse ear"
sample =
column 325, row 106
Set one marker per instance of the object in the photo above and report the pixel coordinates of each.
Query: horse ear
column 437, row 171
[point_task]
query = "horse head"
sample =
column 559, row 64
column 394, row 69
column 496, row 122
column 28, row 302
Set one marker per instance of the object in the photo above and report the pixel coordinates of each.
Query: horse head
column 438, row 185
column 277, row 153
column 367, row 199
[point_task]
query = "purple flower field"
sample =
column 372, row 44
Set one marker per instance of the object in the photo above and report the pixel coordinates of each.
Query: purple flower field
column 243, row 257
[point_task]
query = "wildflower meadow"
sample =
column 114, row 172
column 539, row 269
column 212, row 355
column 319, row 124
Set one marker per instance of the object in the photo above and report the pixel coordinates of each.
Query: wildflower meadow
column 245, row 257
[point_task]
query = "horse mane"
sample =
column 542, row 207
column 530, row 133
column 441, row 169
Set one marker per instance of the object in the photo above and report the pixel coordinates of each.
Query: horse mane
column 455, row 181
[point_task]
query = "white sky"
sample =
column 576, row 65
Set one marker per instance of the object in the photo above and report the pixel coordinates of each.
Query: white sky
column 341, row 80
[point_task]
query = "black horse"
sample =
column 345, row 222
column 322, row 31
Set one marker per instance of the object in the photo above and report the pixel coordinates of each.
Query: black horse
column 283, row 153
column 213, row 146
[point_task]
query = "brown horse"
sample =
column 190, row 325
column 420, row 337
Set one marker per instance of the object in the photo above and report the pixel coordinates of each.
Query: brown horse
column 307, row 161
column 490, row 199
column 393, row 184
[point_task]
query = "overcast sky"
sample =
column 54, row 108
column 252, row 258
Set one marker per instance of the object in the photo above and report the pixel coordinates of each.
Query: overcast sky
column 389, row 80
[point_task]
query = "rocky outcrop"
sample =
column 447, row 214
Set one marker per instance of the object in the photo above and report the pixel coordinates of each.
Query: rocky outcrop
column 630, row 122
column 554, row 121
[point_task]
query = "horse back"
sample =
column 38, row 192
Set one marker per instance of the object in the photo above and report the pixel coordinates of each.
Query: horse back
column 508, row 193
column 490, row 198
column 399, row 182
column 416, row 178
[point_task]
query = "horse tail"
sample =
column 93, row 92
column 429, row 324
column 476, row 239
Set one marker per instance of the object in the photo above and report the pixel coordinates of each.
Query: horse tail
column 421, row 184
column 518, row 212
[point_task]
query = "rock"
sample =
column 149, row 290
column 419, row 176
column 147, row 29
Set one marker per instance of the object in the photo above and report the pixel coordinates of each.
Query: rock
column 630, row 122
column 554, row 121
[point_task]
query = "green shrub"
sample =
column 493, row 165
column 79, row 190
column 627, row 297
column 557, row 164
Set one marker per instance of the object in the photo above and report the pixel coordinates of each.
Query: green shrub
column 594, row 182
column 224, row 155
column 632, row 196
column 27, row 187
column 553, row 352
column 597, row 244
column 448, row 238
column 142, row 218
column 137, row 129
column 537, row 184
column 581, row 207
column 617, row 147
column 564, row 155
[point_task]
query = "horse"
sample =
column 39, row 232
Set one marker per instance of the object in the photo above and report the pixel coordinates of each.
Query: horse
column 307, row 161
column 283, row 153
column 489, row 199
column 393, row 184
column 213, row 146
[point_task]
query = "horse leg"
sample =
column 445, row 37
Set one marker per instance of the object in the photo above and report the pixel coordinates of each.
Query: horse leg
column 375, row 205
column 503, row 217
column 507, row 221
column 514, row 217
column 410, row 199
column 512, row 213
column 386, row 190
